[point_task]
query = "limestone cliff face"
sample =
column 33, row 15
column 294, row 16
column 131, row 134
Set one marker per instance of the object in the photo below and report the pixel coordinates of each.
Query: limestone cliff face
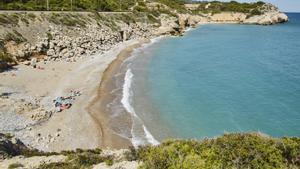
column 168, row 25
column 270, row 14
column 228, row 17
column 50, row 36
column 268, row 18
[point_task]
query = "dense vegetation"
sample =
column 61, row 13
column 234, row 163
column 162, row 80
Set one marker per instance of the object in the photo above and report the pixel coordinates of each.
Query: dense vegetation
column 250, row 150
column 126, row 5
column 232, row 6
column 228, row 151
column 79, row 159
column 67, row 5
column 75, row 159
column 80, row 5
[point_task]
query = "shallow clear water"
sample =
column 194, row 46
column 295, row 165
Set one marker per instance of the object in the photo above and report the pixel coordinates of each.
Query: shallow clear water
column 221, row 78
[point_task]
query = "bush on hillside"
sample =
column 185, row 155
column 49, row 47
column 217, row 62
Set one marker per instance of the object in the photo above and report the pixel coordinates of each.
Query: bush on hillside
column 232, row 6
column 65, row 5
column 228, row 151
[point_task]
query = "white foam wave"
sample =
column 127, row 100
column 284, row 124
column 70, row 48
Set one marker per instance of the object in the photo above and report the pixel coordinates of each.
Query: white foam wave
column 149, row 137
column 136, row 51
column 126, row 100
column 188, row 29
column 155, row 40
column 127, row 92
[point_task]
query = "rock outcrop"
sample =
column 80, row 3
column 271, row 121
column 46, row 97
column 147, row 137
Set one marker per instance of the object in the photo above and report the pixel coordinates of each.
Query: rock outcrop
column 267, row 18
column 235, row 17
column 168, row 25
column 60, row 41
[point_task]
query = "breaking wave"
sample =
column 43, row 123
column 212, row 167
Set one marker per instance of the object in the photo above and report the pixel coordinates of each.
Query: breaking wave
column 139, row 132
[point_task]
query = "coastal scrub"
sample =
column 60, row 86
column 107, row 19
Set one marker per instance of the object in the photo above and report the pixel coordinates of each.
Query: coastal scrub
column 250, row 150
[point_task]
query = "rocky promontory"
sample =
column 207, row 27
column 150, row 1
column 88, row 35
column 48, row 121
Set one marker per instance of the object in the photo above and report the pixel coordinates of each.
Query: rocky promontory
column 267, row 18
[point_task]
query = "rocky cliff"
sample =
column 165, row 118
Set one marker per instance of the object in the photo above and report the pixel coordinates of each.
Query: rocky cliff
column 49, row 36
column 267, row 18
column 54, row 36
column 261, row 14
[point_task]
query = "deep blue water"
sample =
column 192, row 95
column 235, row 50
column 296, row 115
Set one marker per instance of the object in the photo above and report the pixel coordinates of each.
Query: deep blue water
column 222, row 78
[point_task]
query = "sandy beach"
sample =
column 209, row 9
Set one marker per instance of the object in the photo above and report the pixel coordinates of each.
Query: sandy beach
column 26, row 94
column 84, row 125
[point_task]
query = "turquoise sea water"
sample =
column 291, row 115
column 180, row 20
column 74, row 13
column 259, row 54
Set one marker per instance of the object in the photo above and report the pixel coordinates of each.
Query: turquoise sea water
column 221, row 78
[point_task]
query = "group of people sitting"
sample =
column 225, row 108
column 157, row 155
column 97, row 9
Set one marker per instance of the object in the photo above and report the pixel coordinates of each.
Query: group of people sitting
column 63, row 103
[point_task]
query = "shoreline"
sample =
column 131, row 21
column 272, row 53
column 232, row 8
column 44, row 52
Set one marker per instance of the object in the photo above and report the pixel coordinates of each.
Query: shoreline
column 72, row 128
column 97, row 126
column 81, row 126
column 98, row 106
column 86, row 121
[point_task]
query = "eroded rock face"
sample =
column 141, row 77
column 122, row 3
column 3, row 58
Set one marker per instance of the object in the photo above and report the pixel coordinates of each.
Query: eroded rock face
column 228, row 17
column 91, row 40
column 268, row 18
column 168, row 25
column 18, row 51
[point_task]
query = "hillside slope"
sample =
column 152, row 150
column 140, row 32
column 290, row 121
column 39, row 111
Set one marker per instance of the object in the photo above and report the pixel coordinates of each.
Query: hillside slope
column 250, row 150
column 24, row 35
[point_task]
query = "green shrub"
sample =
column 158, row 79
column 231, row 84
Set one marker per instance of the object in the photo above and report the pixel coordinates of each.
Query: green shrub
column 256, row 12
column 31, row 16
column 177, row 5
column 232, row 6
column 15, row 36
column 59, row 165
column 79, row 159
column 290, row 148
column 10, row 19
column 152, row 19
column 5, row 57
column 67, row 19
column 109, row 161
column 65, row 5
column 15, row 165
column 228, row 151
column 140, row 9
column 25, row 20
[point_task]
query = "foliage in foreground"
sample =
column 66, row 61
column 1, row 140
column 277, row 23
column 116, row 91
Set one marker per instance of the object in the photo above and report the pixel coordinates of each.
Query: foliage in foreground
column 79, row 159
column 10, row 147
column 228, row 151
column 249, row 150
column 15, row 165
